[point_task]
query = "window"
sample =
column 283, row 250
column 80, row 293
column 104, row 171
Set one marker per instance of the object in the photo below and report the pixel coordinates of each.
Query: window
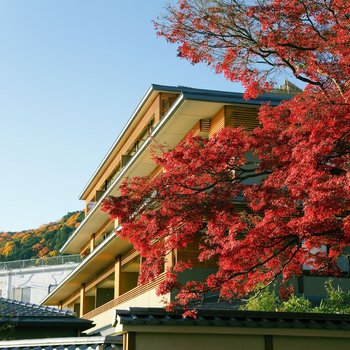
column 21, row 294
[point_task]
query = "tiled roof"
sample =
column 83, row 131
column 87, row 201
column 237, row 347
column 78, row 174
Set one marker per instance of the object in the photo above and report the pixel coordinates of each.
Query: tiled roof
column 234, row 318
column 47, row 320
column 14, row 308
column 74, row 343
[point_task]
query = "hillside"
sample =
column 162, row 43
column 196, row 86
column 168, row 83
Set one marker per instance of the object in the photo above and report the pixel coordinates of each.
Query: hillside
column 43, row 241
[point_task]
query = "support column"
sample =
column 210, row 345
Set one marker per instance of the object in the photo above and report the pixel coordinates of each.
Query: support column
column 82, row 300
column 131, row 341
column 92, row 242
column 117, row 268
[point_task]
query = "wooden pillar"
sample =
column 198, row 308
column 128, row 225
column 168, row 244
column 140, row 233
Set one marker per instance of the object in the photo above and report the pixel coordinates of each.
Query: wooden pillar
column 268, row 342
column 92, row 242
column 125, row 341
column 169, row 260
column 117, row 268
column 131, row 341
column 82, row 300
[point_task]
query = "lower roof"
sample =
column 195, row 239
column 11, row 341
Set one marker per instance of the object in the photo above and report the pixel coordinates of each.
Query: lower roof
column 69, row 343
column 138, row 316
column 15, row 308
column 33, row 315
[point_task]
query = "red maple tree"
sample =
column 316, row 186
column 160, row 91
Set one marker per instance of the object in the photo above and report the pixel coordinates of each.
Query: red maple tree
column 253, row 43
column 256, row 219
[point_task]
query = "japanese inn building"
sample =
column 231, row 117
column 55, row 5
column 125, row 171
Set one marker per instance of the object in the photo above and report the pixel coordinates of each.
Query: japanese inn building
column 106, row 278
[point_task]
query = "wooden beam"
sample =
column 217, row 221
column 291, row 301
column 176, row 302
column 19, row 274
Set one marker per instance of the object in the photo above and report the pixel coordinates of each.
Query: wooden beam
column 100, row 277
column 71, row 298
column 128, row 256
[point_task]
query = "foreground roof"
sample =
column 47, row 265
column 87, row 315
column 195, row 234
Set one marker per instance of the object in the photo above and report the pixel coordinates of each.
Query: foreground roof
column 13, row 308
column 72, row 343
column 30, row 318
column 233, row 318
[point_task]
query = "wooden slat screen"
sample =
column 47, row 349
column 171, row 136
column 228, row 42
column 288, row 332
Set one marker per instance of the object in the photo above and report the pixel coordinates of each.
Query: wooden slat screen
column 205, row 125
column 237, row 116
column 217, row 123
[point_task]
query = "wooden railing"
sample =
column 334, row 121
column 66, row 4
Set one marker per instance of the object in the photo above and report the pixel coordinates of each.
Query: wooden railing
column 131, row 294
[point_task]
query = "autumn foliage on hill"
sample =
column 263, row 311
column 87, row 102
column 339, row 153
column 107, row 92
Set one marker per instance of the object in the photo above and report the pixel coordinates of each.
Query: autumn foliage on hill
column 297, row 212
column 41, row 242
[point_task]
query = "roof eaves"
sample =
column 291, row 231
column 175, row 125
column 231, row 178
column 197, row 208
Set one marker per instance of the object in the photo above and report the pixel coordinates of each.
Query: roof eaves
column 190, row 93
column 152, row 89
column 78, row 268
column 233, row 97
column 234, row 318
column 48, row 322
column 47, row 343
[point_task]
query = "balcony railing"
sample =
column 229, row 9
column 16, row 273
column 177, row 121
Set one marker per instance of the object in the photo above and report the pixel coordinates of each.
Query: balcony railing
column 55, row 260
column 131, row 294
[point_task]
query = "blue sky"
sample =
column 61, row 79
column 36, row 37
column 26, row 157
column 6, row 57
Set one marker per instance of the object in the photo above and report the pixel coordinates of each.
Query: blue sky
column 71, row 74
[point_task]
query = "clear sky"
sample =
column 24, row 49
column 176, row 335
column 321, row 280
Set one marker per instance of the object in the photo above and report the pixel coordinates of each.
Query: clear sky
column 71, row 74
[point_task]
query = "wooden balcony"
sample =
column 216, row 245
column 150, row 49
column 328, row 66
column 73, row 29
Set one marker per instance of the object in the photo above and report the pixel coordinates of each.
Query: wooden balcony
column 131, row 294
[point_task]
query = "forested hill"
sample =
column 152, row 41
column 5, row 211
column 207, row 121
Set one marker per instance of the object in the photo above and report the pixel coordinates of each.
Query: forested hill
column 43, row 241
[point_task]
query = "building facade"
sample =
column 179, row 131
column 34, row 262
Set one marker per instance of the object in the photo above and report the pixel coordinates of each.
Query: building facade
column 106, row 279
column 32, row 280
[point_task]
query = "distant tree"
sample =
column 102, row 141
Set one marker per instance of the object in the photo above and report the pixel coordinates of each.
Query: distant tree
column 297, row 212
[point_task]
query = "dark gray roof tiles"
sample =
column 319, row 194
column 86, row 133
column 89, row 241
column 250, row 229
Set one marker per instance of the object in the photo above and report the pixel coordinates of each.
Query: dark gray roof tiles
column 75, row 343
column 48, row 319
column 234, row 318
column 16, row 308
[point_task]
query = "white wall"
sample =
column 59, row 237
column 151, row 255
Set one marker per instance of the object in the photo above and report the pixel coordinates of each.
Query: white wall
column 38, row 279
